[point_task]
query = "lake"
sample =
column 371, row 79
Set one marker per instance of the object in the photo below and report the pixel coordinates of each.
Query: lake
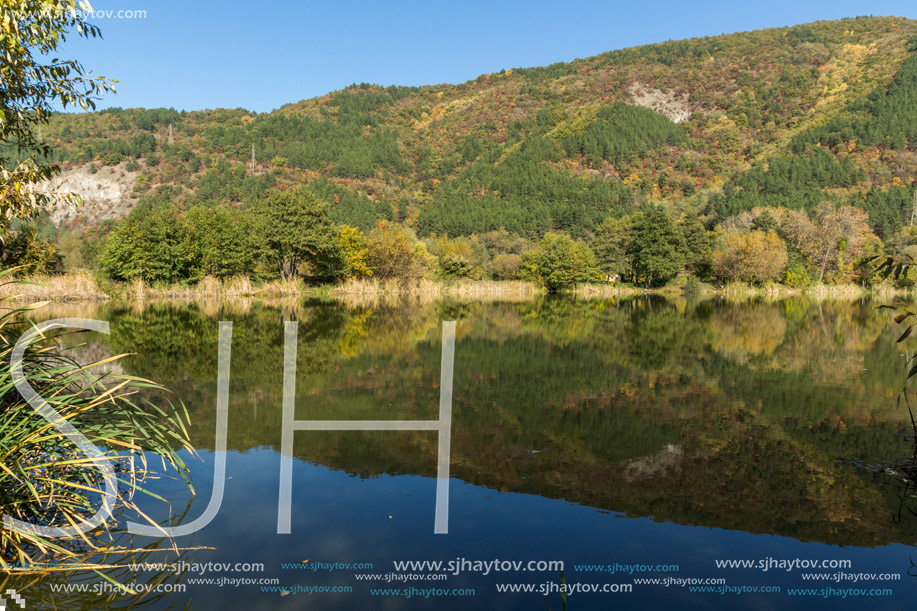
column 649, row 447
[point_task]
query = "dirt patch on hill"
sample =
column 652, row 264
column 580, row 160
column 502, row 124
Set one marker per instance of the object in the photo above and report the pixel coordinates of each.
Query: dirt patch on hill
column 106, row 194
column 672, row 105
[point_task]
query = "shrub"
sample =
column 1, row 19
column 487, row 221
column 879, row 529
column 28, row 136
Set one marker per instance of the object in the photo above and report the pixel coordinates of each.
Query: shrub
column 797, row 277
column 457, row 266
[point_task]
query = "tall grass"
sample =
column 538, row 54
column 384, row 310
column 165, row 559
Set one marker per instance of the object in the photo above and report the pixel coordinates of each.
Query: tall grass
column 208, row 288
column 75, row 286
column 44, row 478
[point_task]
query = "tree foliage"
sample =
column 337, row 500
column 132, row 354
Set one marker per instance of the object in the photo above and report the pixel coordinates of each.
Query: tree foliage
column 394, row 252
column 833, row 240
column 353, row 248
column 561, row 262
column 657, row 248
column 30, row 252
column 754, row 257
column 294, row 234
column 32, row 32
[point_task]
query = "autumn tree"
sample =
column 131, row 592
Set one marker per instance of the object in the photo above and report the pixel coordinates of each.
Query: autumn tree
column 505, row 266
column 459, row 257
column 353, row 246
column 833, row 240
column 394, row 252
column 753, row 256
column 32, row 32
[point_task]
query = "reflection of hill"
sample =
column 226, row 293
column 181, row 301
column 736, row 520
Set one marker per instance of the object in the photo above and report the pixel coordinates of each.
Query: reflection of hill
column 699, row 415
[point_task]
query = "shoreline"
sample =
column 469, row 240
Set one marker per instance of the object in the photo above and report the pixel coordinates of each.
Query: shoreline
column 82, row 287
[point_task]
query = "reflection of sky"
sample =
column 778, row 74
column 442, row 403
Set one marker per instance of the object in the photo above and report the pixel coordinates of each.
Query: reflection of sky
column 340, row 518
column 776, row 375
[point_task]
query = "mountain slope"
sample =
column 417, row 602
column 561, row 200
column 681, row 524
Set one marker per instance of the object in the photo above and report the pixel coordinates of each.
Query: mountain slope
column 783, row 116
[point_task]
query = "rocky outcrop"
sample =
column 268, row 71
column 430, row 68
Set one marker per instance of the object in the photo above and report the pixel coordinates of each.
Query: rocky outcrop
column 672, row 105
column 106, row 194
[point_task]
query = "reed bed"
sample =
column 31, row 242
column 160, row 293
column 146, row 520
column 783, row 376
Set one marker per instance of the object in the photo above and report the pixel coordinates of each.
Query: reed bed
column 461, row 288
column 838, row 291
column 372, row 291
column 819, row 292
column 76, row 286
column 240, row 291
column 208, row 288
column 44, row 478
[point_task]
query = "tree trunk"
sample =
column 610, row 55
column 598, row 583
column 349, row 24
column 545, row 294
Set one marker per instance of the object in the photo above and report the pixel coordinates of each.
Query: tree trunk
column 824, row 265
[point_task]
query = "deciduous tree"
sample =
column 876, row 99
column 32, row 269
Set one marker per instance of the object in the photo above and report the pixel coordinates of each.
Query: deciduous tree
column 32, row 32
column 394, row 252
column 293, row 232
column 561, row 262
column 832, row 240
column 657, row 249
column 753, row 256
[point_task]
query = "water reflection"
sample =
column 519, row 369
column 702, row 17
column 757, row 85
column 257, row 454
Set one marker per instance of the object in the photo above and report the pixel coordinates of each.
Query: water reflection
column 750, row 416
column 698, row 412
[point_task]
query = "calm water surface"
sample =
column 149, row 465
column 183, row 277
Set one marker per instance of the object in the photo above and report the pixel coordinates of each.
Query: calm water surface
column 668, row 434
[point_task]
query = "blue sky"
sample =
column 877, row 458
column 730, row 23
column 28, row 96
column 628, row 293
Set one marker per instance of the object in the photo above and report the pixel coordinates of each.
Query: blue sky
column 198, row 54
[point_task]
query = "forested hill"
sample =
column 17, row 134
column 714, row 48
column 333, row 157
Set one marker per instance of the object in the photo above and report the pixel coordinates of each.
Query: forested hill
column 777, row 116
column 708, row 127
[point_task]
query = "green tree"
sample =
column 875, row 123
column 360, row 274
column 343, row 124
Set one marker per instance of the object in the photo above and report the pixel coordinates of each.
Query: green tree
column 221, row 240
column 765, row 222
column 657, row 249
column 611, row 243
column 293, row 232
column 151, row 244
column 561, row 262
column 697, row 245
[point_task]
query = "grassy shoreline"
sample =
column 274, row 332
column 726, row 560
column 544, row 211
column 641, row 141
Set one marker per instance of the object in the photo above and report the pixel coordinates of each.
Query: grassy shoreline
column 83, row 287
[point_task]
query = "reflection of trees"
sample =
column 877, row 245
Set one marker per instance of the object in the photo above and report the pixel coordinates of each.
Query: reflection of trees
column 561, row 320
column 831, row 341
column 740, row 333
column 696, row 413
column 658, row 335
column 396, row 330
